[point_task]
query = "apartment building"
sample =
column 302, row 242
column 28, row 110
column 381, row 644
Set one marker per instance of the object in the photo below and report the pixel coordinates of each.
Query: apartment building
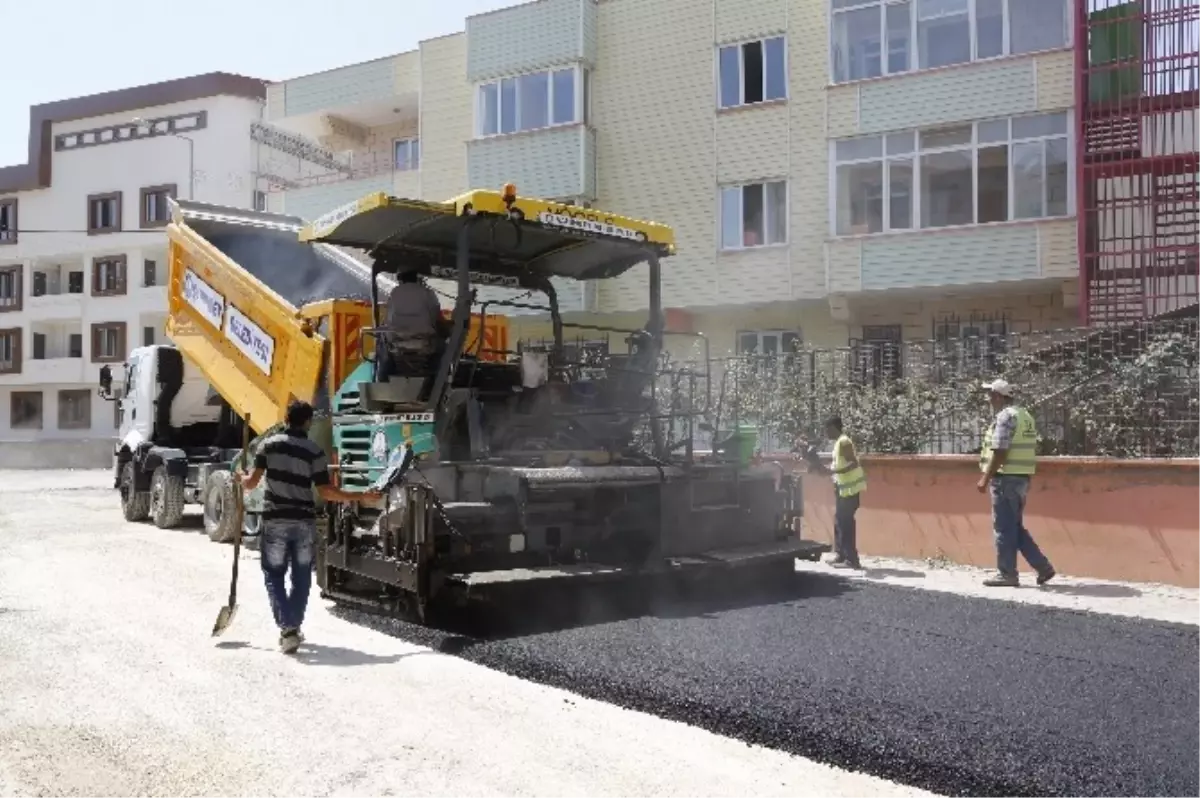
column 83, row 260
column 837, row 171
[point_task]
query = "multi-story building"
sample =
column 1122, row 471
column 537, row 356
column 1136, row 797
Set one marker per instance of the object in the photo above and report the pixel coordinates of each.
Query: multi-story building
column 82, row 255
column 836, row 170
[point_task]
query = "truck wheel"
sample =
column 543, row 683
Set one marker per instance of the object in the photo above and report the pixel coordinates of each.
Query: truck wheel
column 166, row 499
column 220, row 508
column 135, row 505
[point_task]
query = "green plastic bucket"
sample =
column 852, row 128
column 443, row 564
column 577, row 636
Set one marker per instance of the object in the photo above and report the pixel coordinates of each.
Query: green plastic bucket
column 742, row 443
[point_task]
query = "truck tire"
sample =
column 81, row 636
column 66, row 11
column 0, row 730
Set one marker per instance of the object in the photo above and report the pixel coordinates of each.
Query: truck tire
column 220, row 508
column 166, row 499
column 135, row 505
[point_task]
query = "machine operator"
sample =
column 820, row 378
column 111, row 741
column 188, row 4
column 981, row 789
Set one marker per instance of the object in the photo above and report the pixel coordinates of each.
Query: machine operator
column 415, row 330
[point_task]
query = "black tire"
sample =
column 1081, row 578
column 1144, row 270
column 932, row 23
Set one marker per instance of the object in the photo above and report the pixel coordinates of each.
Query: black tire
column 166, row 499
column 220, row 508
column 135, row 505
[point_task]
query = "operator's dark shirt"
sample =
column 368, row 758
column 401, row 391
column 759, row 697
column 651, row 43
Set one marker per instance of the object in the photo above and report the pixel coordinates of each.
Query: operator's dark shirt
column 293, row 464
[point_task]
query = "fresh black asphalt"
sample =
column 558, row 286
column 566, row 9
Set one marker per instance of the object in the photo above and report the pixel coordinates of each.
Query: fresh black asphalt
column 954, row 695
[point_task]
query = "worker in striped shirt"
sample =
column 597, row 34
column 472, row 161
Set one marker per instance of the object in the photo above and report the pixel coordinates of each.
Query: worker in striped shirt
column 294, row 465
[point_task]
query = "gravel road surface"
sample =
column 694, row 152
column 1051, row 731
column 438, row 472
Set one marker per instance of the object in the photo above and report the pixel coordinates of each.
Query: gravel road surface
column 111, row 685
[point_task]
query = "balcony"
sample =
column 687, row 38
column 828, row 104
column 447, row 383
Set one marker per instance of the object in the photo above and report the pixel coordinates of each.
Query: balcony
column 56, row 370
column 56, row 290
column 550, row 162
column 985, row 255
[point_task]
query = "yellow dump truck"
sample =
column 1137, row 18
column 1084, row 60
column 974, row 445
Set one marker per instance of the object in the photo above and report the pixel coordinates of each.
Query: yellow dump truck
column 497, row 467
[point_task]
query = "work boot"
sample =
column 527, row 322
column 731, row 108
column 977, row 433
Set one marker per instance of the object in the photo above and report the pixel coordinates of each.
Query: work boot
column 1001, row 580
column 840, row 563
column 1045, row 576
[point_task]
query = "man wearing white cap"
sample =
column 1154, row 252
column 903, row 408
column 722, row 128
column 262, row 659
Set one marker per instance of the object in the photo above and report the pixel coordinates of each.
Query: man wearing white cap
column 1008, row 461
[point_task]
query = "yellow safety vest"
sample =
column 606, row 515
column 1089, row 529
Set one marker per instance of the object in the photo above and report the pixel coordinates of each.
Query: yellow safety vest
column 849, row 483
column 1022, row 451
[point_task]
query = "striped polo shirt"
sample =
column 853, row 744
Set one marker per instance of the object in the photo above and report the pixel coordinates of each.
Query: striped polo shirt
column 293, row 464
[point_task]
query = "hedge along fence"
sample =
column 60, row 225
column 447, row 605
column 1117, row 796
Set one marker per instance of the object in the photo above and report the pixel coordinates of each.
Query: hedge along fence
column 1127, row 392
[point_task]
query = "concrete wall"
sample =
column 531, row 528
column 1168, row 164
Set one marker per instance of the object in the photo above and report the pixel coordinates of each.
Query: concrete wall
column 1131, row 520
column 90, row 453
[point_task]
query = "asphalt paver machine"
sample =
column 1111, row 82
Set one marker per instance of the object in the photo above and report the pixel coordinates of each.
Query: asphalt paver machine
column 523, row 466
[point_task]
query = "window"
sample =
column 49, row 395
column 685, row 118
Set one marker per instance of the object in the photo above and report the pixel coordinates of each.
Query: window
column 992, row 171
column 147, row 336
column 8, row 221
column 754, row 215
column 10, row 288
column 75, row 345
column 259, row 201
column 108, row 276
column 108, row 342
column 768, row 342
column 966, row 347
column 10, row 351
column 877, row 355
column 532, row 101
column 155, row 212
column 407, row 155
column 752, row 72
column 873, row 38
column 25, row 410
column 104, row 213
column 39, row 346
column 149, row 273
column 75, row 409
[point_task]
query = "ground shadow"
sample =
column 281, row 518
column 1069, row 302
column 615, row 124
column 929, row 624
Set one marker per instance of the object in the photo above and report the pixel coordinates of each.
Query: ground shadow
column 532, row 609
column 899, row 573
column 318, row 654
column 1095, row 589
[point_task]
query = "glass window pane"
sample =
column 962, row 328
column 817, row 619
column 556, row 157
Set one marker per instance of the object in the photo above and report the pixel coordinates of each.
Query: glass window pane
column 859, row 207
column 1027, row 180
column 752, row 72
column 995, row 130
column 748, row 343
column 1057, row 184
column 900, row 194
column 1036, row 25
column 900, row 143
column 947, row 189
column 533, row 101
column 989, row 28
column 731, row 77
column 943, row 33
column 508, row 105
column 753, row 216
column 777, row 212
column 731, row 218
column 564, row 96
column 1027, row 127
column 993, row 184
column 945, row 137
column 859, row 148
column 899, row 37
column 489, row 109
column 776, row 68
column 856, row 45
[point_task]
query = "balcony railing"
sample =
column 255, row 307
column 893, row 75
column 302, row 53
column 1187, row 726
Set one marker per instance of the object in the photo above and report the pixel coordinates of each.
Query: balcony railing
column 361, row 166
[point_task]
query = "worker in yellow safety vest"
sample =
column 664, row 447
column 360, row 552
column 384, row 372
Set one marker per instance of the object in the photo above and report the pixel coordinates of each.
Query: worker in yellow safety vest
column 1008, row 460
column 849, row 481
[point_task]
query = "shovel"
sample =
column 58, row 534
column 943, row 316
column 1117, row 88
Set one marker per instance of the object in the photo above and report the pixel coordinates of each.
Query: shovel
column 225, row 616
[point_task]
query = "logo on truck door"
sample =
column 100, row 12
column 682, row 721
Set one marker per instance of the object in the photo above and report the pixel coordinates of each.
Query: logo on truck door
column 250, row 339
column 203, row 298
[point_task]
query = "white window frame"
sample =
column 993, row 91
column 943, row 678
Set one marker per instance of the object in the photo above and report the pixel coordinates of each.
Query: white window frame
column 741, row 68
column 411, row 146
column 973, row 147
column 762, row 335
column 913, row 42
column 579, row 117
column 787, row 211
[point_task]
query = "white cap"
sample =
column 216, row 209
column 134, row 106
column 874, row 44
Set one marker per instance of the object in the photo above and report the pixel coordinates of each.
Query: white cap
column 999, row 386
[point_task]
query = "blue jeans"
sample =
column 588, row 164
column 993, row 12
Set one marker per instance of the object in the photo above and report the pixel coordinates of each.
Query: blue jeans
column 288, row 542
column 1009, row 494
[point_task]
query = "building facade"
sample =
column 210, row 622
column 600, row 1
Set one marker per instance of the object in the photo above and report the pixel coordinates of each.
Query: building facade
column 82, row 257
column 837, row 171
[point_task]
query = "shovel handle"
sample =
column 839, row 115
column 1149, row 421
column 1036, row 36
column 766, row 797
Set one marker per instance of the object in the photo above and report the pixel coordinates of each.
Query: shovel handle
column 241, row 512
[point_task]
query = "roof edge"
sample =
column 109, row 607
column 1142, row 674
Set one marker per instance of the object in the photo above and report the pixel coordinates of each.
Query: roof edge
column 36, row 172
